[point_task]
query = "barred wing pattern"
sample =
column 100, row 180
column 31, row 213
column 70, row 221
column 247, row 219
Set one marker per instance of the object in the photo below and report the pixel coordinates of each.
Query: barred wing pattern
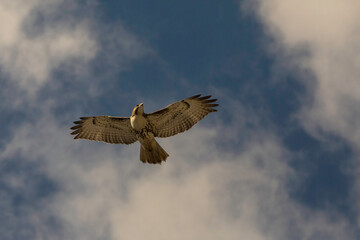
column 180, row 116
column 105, row 129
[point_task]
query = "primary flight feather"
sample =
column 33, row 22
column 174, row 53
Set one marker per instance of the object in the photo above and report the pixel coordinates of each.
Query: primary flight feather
column 169, row 121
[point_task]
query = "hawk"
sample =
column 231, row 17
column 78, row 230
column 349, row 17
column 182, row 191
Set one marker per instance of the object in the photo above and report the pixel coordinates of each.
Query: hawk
column 169, row 121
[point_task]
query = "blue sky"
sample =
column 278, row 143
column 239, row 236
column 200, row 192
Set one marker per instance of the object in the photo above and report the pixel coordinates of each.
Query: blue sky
column 279, row 160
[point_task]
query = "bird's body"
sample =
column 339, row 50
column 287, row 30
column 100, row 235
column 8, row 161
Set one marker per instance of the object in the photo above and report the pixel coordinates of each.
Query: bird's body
column 150, row 150
column 142, row 127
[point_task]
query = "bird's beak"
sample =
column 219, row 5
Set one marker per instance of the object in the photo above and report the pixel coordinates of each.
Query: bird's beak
column 141, row 104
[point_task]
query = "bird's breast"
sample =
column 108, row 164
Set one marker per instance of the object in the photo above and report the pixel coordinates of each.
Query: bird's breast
column 138, row 122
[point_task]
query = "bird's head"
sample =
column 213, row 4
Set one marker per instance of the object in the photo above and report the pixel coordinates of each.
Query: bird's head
column 138, row 109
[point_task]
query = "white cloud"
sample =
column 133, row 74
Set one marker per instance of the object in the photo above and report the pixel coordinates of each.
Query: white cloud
column 59, row 47
column 200, row 192
column 322, row 37
column 28, row 56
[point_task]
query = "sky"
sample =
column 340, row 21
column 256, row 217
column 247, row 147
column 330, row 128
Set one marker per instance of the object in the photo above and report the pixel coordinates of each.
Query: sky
column 279, row 160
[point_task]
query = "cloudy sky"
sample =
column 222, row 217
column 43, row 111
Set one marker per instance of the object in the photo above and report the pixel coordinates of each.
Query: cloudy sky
column 279, row 160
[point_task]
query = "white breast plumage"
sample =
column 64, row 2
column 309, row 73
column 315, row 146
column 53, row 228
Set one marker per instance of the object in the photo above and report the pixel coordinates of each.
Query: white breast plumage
column 138, row 122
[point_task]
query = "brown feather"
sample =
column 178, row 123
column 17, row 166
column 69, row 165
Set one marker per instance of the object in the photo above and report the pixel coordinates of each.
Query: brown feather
column 105, row 129
column 181, row 116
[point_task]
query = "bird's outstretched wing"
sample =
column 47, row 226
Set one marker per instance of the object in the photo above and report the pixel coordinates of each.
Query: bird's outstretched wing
column 180, row 116
column 105, row 129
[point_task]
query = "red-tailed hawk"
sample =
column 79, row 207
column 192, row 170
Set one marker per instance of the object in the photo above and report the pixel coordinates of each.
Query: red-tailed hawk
column 169, row 121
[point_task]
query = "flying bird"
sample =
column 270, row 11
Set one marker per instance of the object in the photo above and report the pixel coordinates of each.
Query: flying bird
column 169, row 121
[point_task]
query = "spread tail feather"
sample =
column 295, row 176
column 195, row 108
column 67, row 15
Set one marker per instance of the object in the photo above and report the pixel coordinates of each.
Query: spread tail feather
column 153, row 153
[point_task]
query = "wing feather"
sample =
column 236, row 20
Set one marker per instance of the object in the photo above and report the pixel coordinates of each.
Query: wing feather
column 105, row 129
column 181, row 116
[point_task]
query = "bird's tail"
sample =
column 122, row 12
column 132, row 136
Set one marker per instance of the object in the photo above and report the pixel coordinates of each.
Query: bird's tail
column 152, row 153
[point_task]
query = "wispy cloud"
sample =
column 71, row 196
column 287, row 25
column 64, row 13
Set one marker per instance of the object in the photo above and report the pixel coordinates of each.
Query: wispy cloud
column 105, row 192
column 57, row 44
column 33, row 43
column 321, row 37
column 320, row 41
